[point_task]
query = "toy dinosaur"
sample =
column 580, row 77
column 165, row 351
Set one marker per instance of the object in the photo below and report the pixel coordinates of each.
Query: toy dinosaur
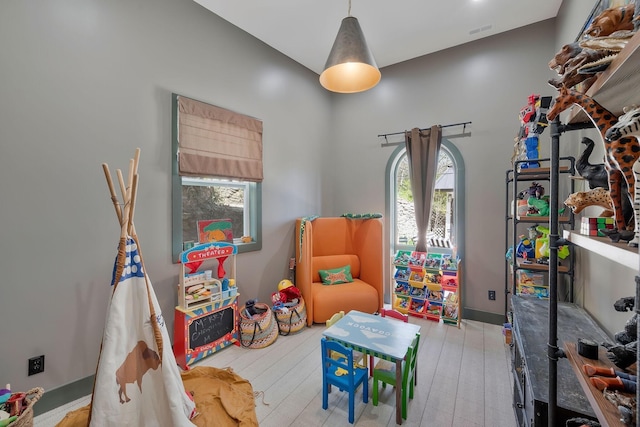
column 598, row 65
column 572, row 76
column 563, row 56
column 538, row 207
column 614, row 42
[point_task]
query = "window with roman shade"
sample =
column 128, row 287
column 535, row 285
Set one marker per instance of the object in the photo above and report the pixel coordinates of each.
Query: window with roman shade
column 217, row 172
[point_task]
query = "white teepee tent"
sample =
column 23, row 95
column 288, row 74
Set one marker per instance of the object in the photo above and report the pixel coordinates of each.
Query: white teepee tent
column 138, row 382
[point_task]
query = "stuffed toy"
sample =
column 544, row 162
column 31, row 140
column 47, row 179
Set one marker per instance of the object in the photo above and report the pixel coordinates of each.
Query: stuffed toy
column 287, row 292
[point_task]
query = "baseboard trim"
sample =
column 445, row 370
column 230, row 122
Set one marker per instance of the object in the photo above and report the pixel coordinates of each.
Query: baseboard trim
column 63, row 395
column 483, row 316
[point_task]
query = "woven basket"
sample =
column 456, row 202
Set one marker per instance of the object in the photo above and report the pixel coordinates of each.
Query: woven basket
column 260, row 330
column 26, row 418
column 293, row 319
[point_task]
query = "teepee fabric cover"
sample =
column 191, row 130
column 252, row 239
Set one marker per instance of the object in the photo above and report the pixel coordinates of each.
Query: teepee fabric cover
column 138, row 382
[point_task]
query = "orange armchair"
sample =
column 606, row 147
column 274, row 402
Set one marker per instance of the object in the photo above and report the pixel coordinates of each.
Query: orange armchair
column 328, row 243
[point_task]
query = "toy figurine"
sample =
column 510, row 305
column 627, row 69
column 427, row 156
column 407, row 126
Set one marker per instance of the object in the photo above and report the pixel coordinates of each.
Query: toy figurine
column 525, row 248
column 626, row 405
column 535, row 190
column 538, row 207
column 533, row 121
column 542, row 244
column 623, row 354
column 596, row 176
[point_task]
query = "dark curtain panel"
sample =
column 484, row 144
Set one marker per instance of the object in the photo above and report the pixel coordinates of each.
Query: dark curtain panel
column 423, row 148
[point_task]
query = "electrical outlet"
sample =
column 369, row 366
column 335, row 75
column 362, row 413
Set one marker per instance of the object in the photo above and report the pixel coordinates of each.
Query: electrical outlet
column 36, row 365
column 492, row 295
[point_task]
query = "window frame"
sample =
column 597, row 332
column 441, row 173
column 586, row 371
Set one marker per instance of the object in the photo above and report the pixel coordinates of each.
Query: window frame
column 254, row 201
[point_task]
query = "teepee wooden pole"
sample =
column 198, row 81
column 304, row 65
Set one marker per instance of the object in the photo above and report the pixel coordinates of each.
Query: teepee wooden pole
column 132, row 203
column 123, row 188
column 136, row 161
column 112, row 191
column 131, row 177
column 125, row 195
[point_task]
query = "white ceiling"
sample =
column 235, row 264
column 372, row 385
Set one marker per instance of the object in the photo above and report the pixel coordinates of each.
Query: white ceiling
column 395, row 30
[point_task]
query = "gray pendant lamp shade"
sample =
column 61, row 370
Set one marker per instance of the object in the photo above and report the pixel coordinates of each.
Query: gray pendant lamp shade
column 350, row 67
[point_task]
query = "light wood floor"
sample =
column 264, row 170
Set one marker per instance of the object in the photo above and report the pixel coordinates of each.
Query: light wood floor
column 463, row 381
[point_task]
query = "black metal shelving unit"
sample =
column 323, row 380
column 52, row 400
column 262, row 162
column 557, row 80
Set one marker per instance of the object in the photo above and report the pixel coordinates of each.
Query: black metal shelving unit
column 615, row 89
column 512, row 219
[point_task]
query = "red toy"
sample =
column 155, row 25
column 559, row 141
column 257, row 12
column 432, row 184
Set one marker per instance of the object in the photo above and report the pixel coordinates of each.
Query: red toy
column 287, row 292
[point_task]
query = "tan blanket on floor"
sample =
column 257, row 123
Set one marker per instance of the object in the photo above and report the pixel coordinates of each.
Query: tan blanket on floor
column 223, row 399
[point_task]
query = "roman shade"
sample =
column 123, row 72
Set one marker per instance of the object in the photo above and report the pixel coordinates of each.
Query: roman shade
column 216, row 142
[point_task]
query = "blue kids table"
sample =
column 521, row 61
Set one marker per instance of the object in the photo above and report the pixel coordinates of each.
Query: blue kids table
column 377, row 336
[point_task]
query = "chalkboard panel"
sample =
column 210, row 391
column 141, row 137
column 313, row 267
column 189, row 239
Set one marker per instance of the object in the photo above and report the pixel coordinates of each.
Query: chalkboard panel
column 210, row 327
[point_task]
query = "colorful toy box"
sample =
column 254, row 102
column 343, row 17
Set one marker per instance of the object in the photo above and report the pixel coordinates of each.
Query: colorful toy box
column 531, row 283
column 402, row 288
column 529, row 278
column 412, row 260
column 536, row 291
column 416, row 279
column 449, row 280
column 401, row 304
column 402, row 275
column 433, row 262
column 402, row 259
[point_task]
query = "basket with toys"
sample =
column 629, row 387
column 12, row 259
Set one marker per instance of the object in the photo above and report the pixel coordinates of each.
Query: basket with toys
column 289, row 308
column 16, row 409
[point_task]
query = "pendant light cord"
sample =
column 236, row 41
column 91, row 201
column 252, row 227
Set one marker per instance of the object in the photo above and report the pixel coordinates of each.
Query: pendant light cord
column 349, row 14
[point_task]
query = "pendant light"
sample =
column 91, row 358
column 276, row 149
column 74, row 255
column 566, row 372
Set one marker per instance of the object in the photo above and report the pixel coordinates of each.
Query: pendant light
column 350, row 67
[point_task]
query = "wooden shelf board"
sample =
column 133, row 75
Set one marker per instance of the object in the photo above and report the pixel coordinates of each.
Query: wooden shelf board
column 538, row 267
column 617, row 86
column 606, row 411
column 525, row 218
column 561, row 219
column 539, row 171
column 618, row 252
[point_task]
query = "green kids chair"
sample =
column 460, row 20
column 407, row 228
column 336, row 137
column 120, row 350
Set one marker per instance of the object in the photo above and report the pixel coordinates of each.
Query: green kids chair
column 385, row 372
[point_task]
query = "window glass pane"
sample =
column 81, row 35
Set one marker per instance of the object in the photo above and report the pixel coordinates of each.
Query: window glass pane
column 441, row 224
column 207, row 199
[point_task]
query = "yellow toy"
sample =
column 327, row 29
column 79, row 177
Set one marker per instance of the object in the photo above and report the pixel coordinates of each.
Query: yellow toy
column 542, row 245
column 284, row 284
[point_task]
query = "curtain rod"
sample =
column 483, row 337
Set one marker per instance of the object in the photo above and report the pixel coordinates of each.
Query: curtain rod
column 458, row 135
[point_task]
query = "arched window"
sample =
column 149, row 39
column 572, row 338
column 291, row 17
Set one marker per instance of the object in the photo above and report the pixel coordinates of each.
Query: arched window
column 446, row 225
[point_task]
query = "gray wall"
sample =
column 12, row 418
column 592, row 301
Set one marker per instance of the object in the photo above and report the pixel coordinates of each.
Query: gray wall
column 485, row 82
column 86, row 82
